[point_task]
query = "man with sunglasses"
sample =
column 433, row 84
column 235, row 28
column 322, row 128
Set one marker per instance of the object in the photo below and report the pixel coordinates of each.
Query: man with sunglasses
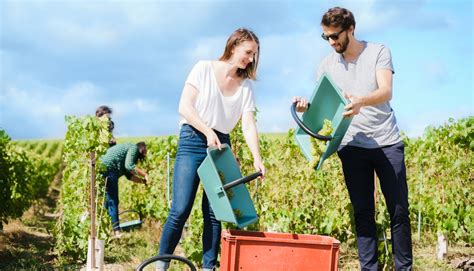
column 363, row 71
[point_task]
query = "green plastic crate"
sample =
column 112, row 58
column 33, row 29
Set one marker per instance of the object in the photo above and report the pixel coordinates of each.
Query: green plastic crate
column 223, row 206
column 131, row 224
column 327, row 102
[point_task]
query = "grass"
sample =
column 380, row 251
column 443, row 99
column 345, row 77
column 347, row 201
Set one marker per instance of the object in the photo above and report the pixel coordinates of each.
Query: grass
column 424, row 254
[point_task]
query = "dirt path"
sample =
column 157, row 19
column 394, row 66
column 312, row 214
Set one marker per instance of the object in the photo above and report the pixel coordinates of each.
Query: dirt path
column 28, row 241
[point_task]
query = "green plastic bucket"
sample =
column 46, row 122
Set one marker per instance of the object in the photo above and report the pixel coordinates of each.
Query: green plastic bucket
column 229, row 198
column 327, row 102
column 130, row 224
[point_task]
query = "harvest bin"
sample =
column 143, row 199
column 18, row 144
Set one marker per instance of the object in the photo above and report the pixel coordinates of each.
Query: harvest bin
column 220, row 173
column 250, row 250
column 328, row 103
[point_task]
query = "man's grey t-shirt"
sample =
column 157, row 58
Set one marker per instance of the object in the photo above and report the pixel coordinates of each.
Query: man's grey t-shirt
column 375, row 126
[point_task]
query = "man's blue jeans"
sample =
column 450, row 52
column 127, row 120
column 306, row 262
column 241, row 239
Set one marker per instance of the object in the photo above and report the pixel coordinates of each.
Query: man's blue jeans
column 112, row 198
column 388, row 162
column 192, row 148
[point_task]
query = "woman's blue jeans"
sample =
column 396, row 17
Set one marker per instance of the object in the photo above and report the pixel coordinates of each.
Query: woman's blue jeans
column 192, row 148
column 112, row 198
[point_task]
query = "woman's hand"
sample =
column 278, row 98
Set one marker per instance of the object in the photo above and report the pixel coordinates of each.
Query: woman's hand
column 301, row 104
column 259, row 166
column 212, row 139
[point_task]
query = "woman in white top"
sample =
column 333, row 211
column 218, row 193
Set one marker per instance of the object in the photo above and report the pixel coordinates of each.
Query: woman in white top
column 215, row 96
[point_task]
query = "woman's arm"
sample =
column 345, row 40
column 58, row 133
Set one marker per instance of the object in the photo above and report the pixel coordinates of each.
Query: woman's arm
column 188, row 111
column 249, row 130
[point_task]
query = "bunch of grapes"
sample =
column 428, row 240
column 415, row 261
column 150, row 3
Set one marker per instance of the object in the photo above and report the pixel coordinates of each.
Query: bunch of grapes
column 229, row 192
column 317, row 145
column 221, row 176
column 237, row 213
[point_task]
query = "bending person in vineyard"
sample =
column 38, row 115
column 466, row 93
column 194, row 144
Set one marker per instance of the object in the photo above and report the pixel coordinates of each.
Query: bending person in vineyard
column 215, row 96
column 120, row 160
column 104, row 110
column 363, row 71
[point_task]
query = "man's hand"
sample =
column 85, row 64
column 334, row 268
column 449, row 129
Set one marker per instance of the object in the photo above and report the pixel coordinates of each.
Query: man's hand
column 353, row 108
column 301, row 104
column 139, row 180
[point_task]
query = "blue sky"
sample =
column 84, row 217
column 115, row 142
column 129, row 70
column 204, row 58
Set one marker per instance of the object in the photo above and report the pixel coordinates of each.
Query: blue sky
column 67, row 57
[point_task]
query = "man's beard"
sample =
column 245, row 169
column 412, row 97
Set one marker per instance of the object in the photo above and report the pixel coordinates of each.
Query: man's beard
column 344, row 45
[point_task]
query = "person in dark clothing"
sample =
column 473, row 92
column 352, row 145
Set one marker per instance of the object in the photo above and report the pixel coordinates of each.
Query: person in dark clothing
column 364, row 72
column 120, row 160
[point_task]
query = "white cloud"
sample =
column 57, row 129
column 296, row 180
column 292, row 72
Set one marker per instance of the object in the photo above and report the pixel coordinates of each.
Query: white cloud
column 78, row 25
column 161, row 15
column 47, row 102
column 206, row 49
column 373, row 16
column 145, row 106
column 275, row 117
column 290, row 61
column 46, row 106
column 124, row 108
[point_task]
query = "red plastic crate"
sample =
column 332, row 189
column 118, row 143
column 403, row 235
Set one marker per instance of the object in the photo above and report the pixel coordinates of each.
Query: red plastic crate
column 250, row 250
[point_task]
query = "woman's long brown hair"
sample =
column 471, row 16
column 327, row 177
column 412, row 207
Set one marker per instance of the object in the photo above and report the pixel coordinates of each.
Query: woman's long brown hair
column 240, row 35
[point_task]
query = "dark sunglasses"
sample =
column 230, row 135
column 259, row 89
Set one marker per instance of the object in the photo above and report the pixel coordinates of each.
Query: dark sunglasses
column 333, row 36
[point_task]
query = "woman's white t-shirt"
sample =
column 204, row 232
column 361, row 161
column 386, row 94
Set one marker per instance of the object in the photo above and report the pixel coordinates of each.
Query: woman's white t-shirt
column 216, row 110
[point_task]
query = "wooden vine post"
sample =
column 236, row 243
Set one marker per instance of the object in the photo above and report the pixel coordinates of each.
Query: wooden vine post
column 93, row 230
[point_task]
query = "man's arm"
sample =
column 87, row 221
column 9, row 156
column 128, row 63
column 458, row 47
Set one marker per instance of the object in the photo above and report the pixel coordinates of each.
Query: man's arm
column 380, row 95
column 135, row 178
column 135, row 171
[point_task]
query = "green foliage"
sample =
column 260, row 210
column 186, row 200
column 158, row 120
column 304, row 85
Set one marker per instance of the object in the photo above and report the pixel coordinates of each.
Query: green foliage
column 50, row 150
column 295, row 198
column 24, row 177
column 308, row 201
column 150, row 200
column 318, row 146
column 441, row 179
column 84, row 135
